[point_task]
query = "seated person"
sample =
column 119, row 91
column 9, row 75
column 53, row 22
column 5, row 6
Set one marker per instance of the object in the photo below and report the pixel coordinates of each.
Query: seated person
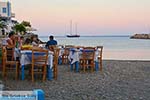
column 27, row 44
column 34, row 41
column 17, row 39
column 21, row 42
column 51, row 41
column 11, row 43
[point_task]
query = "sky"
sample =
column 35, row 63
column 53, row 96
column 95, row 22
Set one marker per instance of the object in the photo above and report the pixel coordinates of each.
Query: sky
column 93, row 17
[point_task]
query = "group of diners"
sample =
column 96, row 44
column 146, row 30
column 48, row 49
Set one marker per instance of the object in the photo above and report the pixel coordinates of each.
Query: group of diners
column 15, row 48
column 16, row 42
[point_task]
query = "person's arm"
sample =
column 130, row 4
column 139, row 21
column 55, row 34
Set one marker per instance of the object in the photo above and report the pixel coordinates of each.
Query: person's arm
column 10, row 44
column 46, row 46
column 34, row 43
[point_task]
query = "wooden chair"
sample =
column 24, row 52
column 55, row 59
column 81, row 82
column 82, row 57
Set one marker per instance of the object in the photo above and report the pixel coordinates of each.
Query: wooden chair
column 100, row 49
column 65, row 59
column 69, row 46
column 39, row 62
column 8, row 65
column 88, row 58
column 65, row 55
column 55, row 63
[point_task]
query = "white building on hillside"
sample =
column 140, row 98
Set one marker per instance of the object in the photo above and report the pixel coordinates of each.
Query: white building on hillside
column 5, row 9
column 7, row 16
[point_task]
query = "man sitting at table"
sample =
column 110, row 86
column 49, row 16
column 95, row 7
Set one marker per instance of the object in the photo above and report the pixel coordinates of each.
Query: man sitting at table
column 51, row 41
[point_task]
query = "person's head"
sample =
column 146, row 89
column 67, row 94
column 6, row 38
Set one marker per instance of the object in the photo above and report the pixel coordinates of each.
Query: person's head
column 51, row 37
column 33, row 38
column 17, row 38
column 27, row 41
column 21, row 38
column 12, row 35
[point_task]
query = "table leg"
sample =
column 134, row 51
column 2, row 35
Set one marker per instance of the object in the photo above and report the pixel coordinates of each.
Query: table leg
column 59, row 60
column 71, row 67
column 77, row 66
column 49, row 73
column 96, row 66
column 22, row 72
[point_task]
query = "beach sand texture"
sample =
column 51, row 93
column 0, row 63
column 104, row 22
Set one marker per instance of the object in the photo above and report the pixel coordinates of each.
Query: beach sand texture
column 120, row 80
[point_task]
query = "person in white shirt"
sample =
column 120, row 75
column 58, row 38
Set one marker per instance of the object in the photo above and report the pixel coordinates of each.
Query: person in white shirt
column 34, row 41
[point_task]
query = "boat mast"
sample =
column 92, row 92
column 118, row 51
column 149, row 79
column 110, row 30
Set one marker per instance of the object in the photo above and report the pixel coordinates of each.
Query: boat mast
column 71, row 27
column 76, row 30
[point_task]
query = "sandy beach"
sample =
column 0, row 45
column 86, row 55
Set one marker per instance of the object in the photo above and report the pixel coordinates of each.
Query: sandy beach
column 120, row 80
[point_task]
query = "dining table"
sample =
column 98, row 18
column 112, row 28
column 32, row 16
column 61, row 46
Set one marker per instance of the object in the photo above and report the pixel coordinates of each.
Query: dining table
column 26, row 58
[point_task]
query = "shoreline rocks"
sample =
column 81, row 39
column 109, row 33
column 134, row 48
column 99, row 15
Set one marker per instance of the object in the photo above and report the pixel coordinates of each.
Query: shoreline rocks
column 140, row 36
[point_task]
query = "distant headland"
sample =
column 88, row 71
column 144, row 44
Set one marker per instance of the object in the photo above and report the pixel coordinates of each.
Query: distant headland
column 140, row 36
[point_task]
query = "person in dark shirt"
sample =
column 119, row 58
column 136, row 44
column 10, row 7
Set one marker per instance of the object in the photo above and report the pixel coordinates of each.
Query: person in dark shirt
column 51, row 41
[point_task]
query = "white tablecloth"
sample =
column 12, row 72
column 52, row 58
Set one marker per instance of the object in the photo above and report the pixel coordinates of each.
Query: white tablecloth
column 16, row 53
column 26, row 58
column 75, row 55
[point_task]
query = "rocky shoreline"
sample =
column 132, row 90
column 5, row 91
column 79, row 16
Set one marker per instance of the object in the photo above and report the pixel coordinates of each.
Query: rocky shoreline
column 140, row 36
column 120, row 80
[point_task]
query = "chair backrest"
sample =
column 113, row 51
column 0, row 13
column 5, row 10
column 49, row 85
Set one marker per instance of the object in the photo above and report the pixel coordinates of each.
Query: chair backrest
column 39, row 55
column 69, row 46
column 56, row 55
column 88, row 53
column 78, row 47
column 10, row 53
column 0, row 54
column 66, row 51
column 100, row 48
column 52, row 47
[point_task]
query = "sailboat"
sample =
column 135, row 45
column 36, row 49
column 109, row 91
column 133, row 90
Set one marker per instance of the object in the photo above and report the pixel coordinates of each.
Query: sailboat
column 73, row 35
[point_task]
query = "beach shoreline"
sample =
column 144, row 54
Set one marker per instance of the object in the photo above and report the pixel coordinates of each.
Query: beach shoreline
column 119, row 80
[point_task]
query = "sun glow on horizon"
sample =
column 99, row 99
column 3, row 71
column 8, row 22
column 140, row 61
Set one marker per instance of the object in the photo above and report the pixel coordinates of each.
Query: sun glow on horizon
column 93, row 17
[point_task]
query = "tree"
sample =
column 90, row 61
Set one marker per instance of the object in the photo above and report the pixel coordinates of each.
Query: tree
column 26, row 23
column 20, row 28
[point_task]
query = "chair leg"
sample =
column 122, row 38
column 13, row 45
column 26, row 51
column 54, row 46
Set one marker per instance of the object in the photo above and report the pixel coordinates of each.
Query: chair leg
column 63, row 59
column 55, row 77
column 16, row 71
column 56, row 73
column 84, row 68
column 44, row 73
column 4, row 70
column 32, row 73
column 91, row 68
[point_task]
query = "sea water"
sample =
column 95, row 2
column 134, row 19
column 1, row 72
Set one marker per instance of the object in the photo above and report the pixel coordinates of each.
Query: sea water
column 115, row 47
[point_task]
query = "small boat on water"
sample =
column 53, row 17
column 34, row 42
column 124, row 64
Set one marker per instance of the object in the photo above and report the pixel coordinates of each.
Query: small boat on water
column 73, row 35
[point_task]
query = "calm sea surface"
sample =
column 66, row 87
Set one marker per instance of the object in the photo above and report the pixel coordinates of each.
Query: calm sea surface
column 115, row 47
